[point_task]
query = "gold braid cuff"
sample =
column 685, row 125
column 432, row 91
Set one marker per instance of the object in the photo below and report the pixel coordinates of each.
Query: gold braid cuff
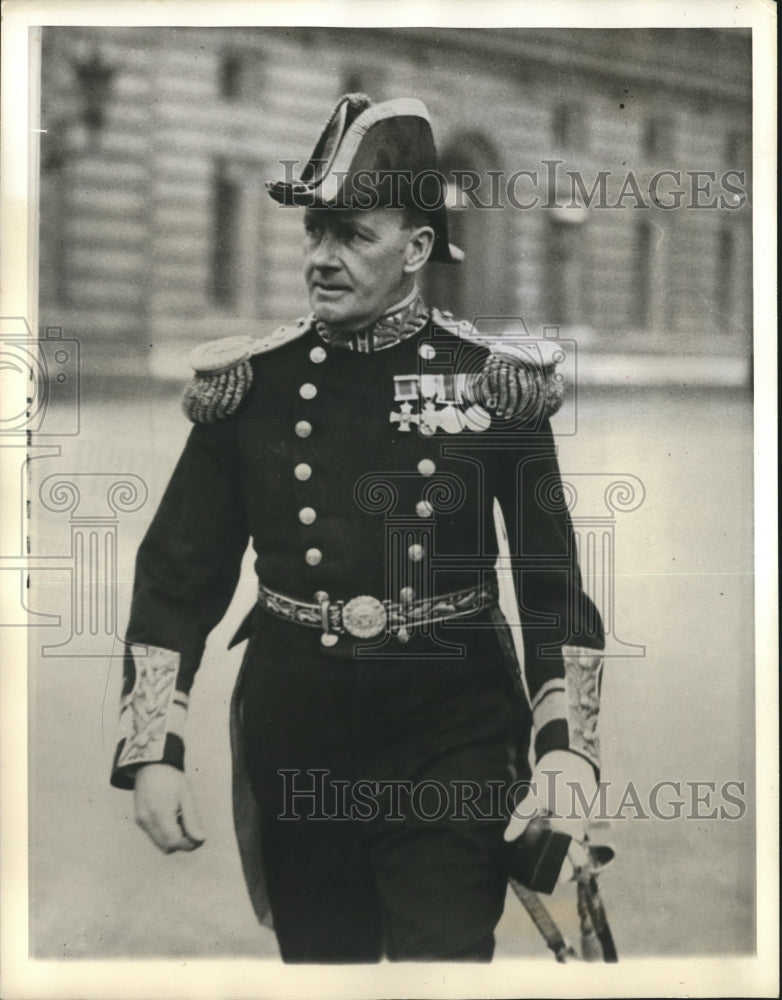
column 583, row 668
column 153, row 708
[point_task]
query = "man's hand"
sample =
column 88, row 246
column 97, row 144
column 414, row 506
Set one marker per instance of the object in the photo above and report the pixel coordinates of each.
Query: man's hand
column 166, row 810
column 552, row 795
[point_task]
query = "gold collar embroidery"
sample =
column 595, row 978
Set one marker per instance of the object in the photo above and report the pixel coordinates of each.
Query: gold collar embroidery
column 402, row 321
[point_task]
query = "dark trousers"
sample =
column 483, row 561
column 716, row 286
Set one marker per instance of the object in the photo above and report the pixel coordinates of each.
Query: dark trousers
column 380, row 787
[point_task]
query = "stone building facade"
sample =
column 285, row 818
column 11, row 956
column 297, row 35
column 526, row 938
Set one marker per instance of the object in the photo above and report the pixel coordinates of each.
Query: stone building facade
column 613, row 202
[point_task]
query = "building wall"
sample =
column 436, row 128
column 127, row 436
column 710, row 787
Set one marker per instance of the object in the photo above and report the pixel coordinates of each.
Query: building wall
column 156, row 230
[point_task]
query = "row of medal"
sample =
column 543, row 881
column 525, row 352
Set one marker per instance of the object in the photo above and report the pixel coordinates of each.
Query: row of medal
column 420, row 395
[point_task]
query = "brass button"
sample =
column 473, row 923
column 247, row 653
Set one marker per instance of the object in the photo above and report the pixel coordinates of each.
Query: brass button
column 302, row 472
column 426, row 467
column 427, row 352
column 307, row 515
column 416, row 552
column 317, row 355
column 308, row 391
column 320, row 596
column 313, row 557
column 424, row 509
column 406, row 595
column 329, row 639
column 303, row 429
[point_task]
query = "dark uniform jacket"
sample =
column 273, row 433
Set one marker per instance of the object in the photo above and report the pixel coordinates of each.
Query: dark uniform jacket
column 354, row 472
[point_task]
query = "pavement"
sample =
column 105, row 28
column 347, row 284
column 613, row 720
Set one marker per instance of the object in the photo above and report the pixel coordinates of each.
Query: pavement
column 679, row 709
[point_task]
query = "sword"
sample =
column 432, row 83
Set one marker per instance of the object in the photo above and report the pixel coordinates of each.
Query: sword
column 593, row 915
column 534, row 860
column 552, row 935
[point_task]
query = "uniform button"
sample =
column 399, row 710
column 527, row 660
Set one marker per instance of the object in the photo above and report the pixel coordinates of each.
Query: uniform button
column 426, row 467
column 307, row 515
column 317, row 354
column 427, row 352
column 320, row 596
column 313, row 557
column 406, row 595
column 329, row 639
column 424, row 509
column 303, row 429
column 302, row 472
column 416, row 552
column 308, row 391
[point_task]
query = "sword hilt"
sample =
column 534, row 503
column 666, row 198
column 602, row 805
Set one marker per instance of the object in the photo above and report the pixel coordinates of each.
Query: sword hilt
column 535, row 862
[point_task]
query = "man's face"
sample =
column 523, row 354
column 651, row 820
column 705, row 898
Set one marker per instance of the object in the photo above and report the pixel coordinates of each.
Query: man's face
column 354, row 264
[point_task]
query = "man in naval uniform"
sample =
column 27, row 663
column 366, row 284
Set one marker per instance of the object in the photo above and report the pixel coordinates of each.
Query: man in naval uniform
column 381, row 712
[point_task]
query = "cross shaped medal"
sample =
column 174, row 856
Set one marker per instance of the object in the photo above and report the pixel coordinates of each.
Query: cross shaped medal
column 405, row 417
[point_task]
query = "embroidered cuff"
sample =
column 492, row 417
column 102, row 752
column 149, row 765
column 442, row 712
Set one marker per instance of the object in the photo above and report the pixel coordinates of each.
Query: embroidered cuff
column 152, row 716
column 583, row 669
column 565, row 710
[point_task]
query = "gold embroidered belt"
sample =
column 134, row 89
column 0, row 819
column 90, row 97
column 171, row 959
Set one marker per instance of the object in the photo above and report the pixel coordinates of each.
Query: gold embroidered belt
column 366, row 617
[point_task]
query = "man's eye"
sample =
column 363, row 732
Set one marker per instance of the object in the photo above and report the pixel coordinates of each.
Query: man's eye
column 311, row 230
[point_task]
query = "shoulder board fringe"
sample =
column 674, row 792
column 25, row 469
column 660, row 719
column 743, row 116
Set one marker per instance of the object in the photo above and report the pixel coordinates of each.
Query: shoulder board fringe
column 459, row 327
column 223, row 373
column 519, row 380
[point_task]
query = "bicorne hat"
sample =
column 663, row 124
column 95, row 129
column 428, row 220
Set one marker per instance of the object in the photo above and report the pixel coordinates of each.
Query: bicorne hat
column 374, row 156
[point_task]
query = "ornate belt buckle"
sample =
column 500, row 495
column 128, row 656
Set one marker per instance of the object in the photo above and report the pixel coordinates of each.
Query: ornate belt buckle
column 364, row 617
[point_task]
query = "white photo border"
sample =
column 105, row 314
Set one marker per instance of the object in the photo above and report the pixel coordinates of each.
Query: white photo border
column 754, row 976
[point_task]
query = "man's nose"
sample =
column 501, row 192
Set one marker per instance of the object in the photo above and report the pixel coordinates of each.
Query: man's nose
column 324, row 253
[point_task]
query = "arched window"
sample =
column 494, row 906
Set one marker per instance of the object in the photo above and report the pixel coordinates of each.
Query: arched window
column 565, row 266
column 570, row 126
column 236, row 268
column 649, row 304
column 226, row 199
column 479, row 287
column 242, row 75
column 658, row 139
column 643, row 275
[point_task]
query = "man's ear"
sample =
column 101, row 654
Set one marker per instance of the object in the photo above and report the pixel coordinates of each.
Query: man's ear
column 418, row 249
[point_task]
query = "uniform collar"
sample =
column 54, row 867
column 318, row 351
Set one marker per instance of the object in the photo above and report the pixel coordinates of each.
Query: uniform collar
column 403, row 320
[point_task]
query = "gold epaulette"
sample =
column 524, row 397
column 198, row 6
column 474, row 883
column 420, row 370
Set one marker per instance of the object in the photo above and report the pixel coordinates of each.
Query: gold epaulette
column 223, row 373
column 519, row 378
